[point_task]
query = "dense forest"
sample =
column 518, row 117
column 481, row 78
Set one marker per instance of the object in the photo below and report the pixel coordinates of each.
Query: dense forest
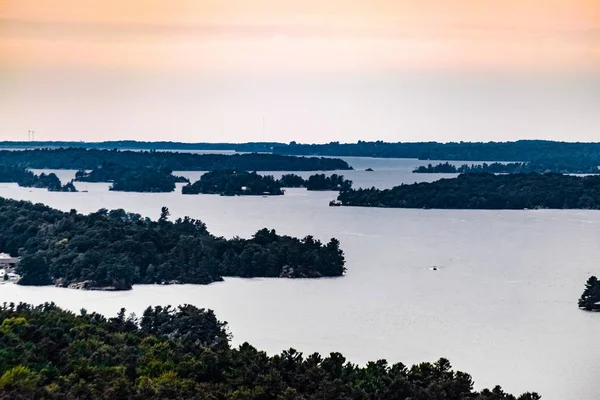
column 539, row 166
column 485, row 191
column 316, row 182
column 522, row 150
column 590, row 299
column 322, row 182
column 138, row 179
column 232, row 183
column 115, row 249
column 493, row 168
column 26, row 178
column 141, row 145
column 77, row 158
column 185, row 353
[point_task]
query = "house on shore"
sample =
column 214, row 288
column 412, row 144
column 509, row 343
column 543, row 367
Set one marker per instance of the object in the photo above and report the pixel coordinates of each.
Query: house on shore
column 7, row 262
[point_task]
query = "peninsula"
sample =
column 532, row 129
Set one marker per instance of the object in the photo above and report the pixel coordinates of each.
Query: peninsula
column 485, row 191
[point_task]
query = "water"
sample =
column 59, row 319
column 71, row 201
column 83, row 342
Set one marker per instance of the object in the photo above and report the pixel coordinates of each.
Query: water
column 501, row 306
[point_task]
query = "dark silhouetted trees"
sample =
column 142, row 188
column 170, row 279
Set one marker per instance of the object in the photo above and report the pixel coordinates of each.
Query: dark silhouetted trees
column 485, row 191
column 184, row 353
column 115, row 249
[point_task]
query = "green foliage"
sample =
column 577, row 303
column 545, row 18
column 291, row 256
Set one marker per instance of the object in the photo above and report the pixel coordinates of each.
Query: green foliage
column 184, row 353
column 23, row 177
column 232, row 183
column 115, row 249
column 541, row 155
column 82, row 159
column 485, row 191
column 539, row 166
column 333, row 182
column 19, row 379
column 292, row 181
column 590, row 298
column 127, row 179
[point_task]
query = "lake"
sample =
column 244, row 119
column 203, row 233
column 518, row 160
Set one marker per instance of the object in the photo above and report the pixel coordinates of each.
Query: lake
column 501, row 306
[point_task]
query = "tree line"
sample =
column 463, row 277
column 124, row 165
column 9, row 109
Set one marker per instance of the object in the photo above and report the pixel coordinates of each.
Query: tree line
column 115, row 249
column 132, row 179
column 575, row 155
column 185, row 353
column 493, row 168
column 539, row 166
column 485, row 191
column 232, row 183
column 79, row 158
column 26, row 178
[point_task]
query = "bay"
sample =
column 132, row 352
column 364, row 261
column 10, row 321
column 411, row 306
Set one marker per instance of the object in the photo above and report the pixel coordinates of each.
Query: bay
column 501, row 305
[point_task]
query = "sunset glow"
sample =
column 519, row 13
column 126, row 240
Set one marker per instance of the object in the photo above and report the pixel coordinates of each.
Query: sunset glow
column 279, row 35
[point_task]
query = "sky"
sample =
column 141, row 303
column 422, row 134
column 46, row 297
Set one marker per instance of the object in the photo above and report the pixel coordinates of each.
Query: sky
column 316, row 71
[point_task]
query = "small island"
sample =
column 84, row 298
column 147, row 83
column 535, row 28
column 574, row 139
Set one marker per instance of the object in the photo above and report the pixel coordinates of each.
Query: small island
column 485, row 191
column 243, row 183
column 494, row 168
column 234, row 183
column 318, row 182
column 125, row 179
column 590, row 299
column 26, row 178
column 323, row 182
column 185, row 352
column 113, row 250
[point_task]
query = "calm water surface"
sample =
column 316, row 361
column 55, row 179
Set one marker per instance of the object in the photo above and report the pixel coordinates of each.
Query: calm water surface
column 502, row 305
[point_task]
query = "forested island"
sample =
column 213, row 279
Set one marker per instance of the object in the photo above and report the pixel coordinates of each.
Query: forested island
column 240, row 183
column 137, row 179
column 521, row 151
column 590, row 299
column 115, row 249
column 493, row 168
column 232, row 183
column 539, row 166
column 316, row 182
column 485, row 191
column 78, row 158
column 143, row 145
column 25, row 178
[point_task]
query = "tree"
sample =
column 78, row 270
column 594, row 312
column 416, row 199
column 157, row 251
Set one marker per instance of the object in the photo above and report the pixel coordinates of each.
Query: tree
column 164, row 214
column 590, row 299
column 34, row 271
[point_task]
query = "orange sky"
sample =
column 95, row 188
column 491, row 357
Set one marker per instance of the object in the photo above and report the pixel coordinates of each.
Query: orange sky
column 306, row 35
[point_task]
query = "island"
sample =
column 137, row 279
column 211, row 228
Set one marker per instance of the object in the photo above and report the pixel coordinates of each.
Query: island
column 113, row 250
column 232, row 183
column 494, row 168
column 485, row 191
column 242, row 183
column 185, row 352
column 26, row 178
column 590, row 299
column 292, row 181
column 136, row 179
column 87, row 159
column 318, row 182
column 519, row 151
